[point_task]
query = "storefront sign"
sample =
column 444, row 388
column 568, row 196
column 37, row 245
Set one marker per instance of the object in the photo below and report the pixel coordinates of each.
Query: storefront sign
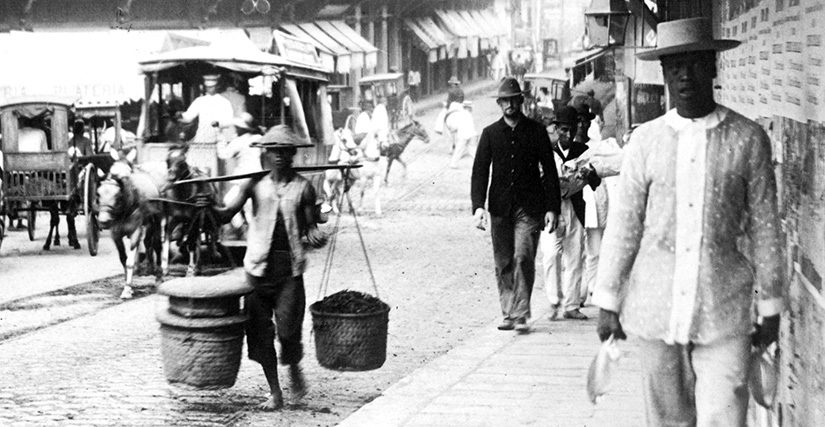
column 296, row 49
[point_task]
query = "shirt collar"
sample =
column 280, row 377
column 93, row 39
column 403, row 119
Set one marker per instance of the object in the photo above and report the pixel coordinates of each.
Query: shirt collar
column 679, row 123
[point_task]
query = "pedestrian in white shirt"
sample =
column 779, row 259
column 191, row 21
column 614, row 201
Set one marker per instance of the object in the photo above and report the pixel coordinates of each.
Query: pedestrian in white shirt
column 671, row 272
column 381, row 122
column 235, row 148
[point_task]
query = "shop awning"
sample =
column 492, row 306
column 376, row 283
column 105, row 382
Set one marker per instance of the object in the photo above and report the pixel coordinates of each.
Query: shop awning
column 422, row 40
column 345, row 35
column 498, row 33
column 436, row 33
column 344, row 59
column 477, row 28
column 456, row 31
column 584, row 58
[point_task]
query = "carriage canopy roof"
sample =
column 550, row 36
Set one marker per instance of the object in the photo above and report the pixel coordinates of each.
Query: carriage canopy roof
column 546, row 77
column 377, row 78
column 36, row 105
column 243, row 59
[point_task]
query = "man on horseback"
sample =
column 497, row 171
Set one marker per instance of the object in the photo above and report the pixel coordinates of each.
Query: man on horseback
column 275, row 260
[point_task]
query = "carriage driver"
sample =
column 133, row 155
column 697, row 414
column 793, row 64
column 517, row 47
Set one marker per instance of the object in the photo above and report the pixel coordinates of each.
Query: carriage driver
column 209, row 108
column 284, row 212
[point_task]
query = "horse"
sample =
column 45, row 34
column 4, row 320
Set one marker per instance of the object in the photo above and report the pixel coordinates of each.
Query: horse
column 399, row 140
column 344, row 151
column 187, row 208
column 367, row 154
column 70, row 210
column 127, row 209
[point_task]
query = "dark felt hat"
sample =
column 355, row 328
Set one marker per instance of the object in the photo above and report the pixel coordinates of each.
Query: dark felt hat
column 280, row 137
column 509, row 88
column 566, row 115
column 584, row 112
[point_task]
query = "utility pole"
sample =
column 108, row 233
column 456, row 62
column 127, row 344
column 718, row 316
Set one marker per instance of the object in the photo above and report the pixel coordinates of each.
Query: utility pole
column 561, row 37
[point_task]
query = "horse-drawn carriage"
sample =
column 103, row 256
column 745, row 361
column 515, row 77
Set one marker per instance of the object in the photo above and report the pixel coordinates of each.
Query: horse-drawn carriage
column 38, row 171
column 391, row 87
column 276, row 91
column 546, row 92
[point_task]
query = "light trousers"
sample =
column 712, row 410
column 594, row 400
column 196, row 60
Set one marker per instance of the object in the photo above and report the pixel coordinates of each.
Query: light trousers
column 515, row 238
column 592, row 245
column 561, row 258
column 696, row 385
column 462, row 147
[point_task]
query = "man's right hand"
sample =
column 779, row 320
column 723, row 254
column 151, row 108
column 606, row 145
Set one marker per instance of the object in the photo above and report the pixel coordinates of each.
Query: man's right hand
column 609, row 325
column 480, row 219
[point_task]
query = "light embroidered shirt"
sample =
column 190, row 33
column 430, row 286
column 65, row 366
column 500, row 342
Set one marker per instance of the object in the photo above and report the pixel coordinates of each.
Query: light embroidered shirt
column 689, row 192
column 208, row 109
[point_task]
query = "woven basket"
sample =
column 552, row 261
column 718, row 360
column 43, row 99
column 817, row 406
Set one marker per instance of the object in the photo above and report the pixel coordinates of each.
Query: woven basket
column 208, row 359
column 350, row 342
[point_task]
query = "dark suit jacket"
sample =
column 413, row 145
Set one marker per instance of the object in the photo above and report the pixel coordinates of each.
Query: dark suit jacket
column 576, row 150
column 515, row 155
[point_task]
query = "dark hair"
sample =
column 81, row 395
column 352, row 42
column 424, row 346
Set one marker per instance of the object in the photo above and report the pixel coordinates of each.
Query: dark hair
column 78, row 127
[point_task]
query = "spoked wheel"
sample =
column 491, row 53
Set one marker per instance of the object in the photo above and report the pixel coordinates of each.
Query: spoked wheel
column 90, row 208
column 31, row 215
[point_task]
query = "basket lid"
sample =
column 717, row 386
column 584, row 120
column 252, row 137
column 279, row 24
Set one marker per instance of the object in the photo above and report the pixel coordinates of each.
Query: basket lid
column 222, row 285
column 165, row 317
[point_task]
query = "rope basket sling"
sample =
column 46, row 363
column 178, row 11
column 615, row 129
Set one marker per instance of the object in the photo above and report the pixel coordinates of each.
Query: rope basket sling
column 349, row 341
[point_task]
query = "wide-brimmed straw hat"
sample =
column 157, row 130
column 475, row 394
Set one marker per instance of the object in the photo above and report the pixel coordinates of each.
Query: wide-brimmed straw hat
column 509, row 88
column 454, row 81
column 280, row 137
column 685, row 35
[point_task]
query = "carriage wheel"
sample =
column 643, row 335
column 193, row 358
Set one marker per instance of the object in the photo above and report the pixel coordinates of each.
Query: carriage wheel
column 90, row 208
column 31, row 215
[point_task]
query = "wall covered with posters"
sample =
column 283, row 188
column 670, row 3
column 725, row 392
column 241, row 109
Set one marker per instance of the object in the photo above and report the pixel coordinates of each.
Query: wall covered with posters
column 777, row 77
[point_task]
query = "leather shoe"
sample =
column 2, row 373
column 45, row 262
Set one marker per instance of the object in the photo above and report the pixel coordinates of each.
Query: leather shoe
column 574, row 314
column 506, row 325
column 522, row 326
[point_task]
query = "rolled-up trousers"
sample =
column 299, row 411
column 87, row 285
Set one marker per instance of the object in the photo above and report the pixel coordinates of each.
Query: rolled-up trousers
column 515, row 237
column 285, row 300
column 561, row 258
column 695, row 385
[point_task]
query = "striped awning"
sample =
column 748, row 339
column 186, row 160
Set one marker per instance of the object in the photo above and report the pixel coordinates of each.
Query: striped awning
column 424, row 41
column 348, row 49
column 467, row 39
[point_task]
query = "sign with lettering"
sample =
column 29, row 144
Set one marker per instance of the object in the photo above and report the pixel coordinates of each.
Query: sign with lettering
column 296, row 49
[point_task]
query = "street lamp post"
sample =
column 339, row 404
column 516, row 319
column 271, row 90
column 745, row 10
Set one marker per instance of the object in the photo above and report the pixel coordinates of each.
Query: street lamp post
column 606, row 21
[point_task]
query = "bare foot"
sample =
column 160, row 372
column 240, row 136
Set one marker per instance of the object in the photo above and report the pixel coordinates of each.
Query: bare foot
column 273, row 403
column 297, row 383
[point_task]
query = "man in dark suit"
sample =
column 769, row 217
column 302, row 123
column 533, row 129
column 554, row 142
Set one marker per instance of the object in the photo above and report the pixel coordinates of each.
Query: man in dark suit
column 562, row 250
column 521, row 201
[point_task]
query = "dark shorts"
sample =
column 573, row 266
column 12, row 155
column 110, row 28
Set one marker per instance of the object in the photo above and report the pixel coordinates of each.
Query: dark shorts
column 286, row 300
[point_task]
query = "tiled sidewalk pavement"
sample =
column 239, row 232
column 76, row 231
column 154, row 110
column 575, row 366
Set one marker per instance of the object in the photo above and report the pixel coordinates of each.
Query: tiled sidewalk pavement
column 503, row 378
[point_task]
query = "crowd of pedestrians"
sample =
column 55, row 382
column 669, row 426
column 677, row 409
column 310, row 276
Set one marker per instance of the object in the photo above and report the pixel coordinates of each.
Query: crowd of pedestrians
column 645, row 229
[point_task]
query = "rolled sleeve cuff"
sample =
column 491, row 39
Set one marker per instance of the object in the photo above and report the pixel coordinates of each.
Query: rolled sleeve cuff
column 769, row 307
column 606, row 301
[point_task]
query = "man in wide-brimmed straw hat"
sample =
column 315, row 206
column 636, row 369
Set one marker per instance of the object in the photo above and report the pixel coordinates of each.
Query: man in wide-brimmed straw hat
column 275, row 260
column 670, row 271
column 521, row 200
